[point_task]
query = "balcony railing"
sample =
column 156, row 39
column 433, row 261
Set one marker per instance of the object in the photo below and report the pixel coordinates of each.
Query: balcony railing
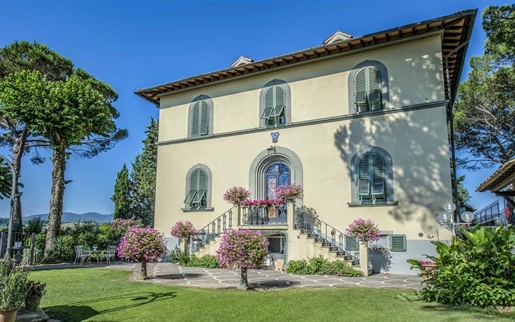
column 264, row 215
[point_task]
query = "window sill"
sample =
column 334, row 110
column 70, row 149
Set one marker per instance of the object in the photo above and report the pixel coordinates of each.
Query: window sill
column 385, row 204
column 197, row 209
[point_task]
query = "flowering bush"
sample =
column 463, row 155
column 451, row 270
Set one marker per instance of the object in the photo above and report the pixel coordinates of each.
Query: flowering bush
column 427, row 263
column 236, row 195
column 242, row 249
column 289, row 192
column 365, row 230
column 263, row 203
column 121, row 225
column 183, row 229
column 142, row 244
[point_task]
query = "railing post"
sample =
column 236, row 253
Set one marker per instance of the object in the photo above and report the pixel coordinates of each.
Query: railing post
column 363, row 258
column 236, row 216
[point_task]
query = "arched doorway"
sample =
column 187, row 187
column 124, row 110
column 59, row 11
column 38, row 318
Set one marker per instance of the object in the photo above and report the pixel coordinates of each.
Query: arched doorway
column 277, row 174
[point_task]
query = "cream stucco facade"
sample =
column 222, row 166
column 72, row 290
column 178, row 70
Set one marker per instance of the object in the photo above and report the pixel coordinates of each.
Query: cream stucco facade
column 323, row 135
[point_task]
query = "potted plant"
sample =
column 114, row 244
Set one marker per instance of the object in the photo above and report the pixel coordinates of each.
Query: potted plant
column 426, row 266
column 13, row 290
column 35, row 291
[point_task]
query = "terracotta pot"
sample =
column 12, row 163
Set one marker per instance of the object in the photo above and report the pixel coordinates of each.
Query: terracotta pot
column 8, row 316
column 427, row 268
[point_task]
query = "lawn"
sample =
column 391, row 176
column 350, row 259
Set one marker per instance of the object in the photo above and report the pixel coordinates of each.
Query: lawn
column 99, row 294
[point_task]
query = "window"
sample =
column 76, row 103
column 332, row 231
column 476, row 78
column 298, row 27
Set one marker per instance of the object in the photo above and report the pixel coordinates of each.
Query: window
column 398, row 243
column 198, row 189
column 368, row 89
column 200, row 117
column 351, row 243
column 372, row 177
column 368, row 83
column 275, row 104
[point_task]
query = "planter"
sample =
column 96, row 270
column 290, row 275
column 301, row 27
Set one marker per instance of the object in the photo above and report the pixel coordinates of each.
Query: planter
column 8, row 315
column 184, row 245
column 427, row 268
column 32, row 302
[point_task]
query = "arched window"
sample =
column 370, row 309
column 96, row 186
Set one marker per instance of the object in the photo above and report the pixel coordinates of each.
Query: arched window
column 277, row 174
column 368, row 89
column 198, row 186
column 275, row 104
column 368, row 83
column 372, row 177
column 201, row 117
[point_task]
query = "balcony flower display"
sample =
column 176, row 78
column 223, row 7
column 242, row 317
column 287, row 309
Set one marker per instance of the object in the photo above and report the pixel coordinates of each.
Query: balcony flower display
column 365, row 230
column 263, row 203
column 236, row 195
column 183, row 229
column 289, row 192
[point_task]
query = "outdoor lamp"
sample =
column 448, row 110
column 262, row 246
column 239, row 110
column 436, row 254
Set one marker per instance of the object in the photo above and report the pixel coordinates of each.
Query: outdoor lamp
column 467, row 216
column 444, row 217
column 449, row 207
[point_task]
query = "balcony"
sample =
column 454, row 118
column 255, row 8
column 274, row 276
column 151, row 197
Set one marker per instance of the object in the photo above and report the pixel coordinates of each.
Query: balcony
column 264, row 215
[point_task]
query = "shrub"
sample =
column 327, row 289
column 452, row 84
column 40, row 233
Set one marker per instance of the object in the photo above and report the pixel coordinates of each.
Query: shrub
column 365, row 230
column 142, row 244
column 242, row 249
column 87, row 239
column 321, row 266
column 63, row 250
column 183, row 229
column 236, row 195
column 206, row 261
column 34, row 225
column 13, row 285
column 478, row 270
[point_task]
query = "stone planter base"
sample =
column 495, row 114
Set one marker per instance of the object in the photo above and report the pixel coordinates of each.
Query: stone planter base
column 8, row 316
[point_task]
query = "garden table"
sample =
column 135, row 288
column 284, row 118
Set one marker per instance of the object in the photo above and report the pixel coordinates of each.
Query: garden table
column 98, row 254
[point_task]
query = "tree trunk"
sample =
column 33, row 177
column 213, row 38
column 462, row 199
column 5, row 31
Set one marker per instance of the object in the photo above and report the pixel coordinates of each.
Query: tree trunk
column 244, row 283
column 18, row 147
column 143, row 270
column 56, row 197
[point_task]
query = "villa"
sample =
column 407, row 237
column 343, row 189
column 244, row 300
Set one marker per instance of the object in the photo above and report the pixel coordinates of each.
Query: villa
column 361, row 123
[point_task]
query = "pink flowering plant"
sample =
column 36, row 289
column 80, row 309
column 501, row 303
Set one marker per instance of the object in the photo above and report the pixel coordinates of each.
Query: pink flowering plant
column 263, row 203
column 427, row 263
column 236, row 195
column 142, row 244
column 121, row 225
column 242, row 249
column 365, row 230
column 183, row 229
column 289, row 192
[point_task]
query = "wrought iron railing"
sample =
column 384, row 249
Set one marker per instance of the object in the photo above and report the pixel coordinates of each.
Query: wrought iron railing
column 307, row 221
column 212, row 230
column 264, row 215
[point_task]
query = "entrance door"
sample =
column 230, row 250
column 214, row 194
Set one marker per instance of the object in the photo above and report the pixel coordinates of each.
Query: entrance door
column 277, row 174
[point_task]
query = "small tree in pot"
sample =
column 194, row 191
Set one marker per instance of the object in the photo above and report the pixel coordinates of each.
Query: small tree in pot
column 35, row 291
column 142, row 244
column 13, row 290
column 242, row 249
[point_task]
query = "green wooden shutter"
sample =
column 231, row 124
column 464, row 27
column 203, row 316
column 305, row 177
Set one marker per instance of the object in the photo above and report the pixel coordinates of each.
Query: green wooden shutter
column 364, row 176
column 374, row 88
column 398, row 243
column 378, row 176
column 279, row 96
column 204, row 118
column 194, row 179
column 195, row 119
column 361, row 90
column 202, row 188
column 351, row 243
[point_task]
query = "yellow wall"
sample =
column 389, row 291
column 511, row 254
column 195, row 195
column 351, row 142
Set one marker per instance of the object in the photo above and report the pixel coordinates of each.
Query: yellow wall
column 416, row 141
column 318, row 90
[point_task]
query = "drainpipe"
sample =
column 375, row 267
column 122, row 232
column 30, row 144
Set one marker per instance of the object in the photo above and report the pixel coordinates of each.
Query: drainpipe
column 451, row 120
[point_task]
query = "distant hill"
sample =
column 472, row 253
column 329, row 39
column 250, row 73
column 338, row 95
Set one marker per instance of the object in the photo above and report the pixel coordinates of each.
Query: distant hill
column 73, row 217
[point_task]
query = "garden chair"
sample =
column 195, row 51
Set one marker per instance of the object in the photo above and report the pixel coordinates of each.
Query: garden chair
column 80, row 255
column 110, row 255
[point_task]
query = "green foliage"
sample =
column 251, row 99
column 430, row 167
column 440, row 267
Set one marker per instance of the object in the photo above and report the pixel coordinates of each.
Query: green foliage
column 321, row 266
column 478, row 270
column 143, row 177
column 107, row 236
column 63, row 250
column 484, row 114
column 122, row 194
column 463, row 193
column 206, row 261
column 13, row 285
column 87, row 239
column 34, row 225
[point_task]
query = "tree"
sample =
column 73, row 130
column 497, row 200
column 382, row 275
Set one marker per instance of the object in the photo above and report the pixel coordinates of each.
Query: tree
column 16, row 135
column 142, row 244
column 242, row 249
column 122, row 193
column 463, row 193
column 485, row 107
column 71, row 116
column 143, row 177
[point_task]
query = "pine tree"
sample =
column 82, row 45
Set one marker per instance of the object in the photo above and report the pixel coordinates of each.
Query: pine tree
column 143, row 177
column 122, row 194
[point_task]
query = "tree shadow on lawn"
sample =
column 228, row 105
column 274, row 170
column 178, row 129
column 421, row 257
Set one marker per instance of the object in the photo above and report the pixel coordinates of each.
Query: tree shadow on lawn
column 474, row 312
column 177, row 276
column 83, row 310
column 273, row 284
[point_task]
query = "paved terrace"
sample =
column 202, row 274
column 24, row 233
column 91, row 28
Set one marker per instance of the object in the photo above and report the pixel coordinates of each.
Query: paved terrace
column 263, row 280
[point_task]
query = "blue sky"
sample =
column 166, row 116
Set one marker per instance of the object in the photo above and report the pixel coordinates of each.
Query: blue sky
column 134, row 44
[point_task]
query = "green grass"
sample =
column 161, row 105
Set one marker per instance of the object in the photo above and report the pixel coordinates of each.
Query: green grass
column 96, row 294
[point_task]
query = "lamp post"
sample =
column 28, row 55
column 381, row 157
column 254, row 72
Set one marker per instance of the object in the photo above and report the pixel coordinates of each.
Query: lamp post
column 446, row 219
column 11, row 212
